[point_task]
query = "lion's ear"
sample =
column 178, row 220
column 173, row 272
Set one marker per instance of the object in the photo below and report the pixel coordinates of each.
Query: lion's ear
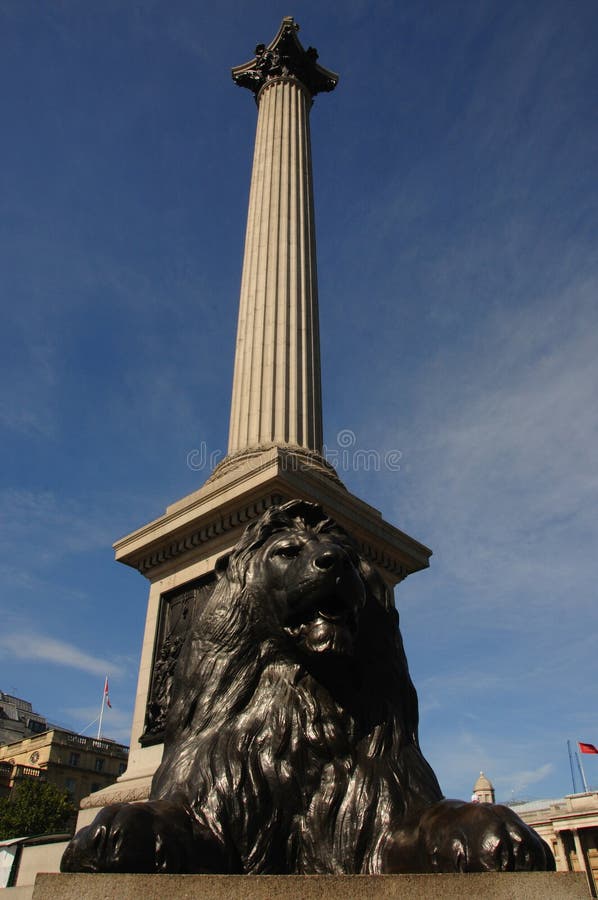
column 221, row 564
column 376, row 586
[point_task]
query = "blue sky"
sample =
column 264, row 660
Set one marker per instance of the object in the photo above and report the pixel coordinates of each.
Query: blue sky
column 456, row 202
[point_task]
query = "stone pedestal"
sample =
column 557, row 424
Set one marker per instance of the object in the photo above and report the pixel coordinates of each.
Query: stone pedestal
column 491, row 886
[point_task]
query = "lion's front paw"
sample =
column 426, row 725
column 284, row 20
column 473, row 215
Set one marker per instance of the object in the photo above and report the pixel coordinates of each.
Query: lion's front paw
column 132, row 837
column 453, row 836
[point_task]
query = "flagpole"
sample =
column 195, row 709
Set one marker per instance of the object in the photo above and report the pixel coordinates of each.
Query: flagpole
column 571, row 766
column 583, row 774
column 102, row 709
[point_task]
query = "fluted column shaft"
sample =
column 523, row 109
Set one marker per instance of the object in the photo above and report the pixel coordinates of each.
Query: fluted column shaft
column 277, row 385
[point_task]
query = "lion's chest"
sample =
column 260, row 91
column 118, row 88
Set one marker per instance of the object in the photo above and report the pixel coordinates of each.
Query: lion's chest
column 292, row 735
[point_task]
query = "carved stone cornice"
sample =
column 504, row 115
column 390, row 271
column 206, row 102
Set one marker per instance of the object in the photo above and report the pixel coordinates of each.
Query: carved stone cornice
column 210, row 520
column 285, row 58
column 220, row 524
column 117, row 794
column 225, row 523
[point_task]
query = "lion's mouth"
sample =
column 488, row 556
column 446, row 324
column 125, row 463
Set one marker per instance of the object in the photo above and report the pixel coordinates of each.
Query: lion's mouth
column 328, row 626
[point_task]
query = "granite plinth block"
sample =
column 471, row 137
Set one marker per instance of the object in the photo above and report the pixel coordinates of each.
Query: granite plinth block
column 487, row 886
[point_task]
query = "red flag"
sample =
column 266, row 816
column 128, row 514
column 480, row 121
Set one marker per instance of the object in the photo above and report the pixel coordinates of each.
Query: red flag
column 587, row 748
column 107, row 696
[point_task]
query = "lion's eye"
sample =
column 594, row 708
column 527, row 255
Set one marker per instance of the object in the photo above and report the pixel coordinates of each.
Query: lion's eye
column 288, row 551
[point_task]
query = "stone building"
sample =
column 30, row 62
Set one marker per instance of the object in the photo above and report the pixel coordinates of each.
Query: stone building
column 77, row 764
column 570, row 827
column 18, row 720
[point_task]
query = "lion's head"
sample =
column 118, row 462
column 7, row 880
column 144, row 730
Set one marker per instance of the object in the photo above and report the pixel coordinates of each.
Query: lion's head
column 304, row 577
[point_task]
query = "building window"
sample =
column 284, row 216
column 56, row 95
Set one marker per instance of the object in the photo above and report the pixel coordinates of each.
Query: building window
column 121, row 768
column 74, row 759
column 36, row 727
column 99, row 765
column 95, row 786
column 69, row 784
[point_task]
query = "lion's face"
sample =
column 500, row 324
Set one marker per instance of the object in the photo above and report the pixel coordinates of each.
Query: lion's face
column 314, row 588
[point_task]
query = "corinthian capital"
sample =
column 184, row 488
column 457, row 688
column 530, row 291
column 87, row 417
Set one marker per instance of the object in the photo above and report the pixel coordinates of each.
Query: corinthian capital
column 284, row 57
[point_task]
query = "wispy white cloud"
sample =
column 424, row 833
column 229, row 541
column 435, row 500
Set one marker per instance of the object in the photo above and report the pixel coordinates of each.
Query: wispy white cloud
column 39, row 648
column 28, row 401
column 458, row 680
column 460, row 754
column 518, row 783
column 506, row 477
column 57, row 525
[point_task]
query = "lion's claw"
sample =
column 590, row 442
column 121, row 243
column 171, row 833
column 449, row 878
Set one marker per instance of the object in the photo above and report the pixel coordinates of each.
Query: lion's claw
column 453, row 836
column 133, row 837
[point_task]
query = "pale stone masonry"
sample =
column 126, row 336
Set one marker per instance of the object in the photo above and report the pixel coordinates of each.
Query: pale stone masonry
column 71, row 761
column 471, row 886
column 570, row 828
column 277, row 387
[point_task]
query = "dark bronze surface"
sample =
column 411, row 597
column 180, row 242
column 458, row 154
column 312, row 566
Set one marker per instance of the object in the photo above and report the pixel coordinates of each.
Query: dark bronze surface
column 291, row 739
column 284, row 57
column 178, row 609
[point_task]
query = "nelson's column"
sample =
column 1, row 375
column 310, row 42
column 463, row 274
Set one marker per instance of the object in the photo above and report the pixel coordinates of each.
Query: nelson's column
column 275, row 440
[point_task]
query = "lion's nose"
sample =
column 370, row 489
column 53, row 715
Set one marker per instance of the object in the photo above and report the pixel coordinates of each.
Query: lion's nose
column 327, row 560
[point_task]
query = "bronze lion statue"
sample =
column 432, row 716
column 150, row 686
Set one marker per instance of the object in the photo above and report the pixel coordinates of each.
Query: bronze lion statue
column 291, row 742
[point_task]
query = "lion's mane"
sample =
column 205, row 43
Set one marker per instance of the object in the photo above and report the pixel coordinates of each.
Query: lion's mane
column 285, row 768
